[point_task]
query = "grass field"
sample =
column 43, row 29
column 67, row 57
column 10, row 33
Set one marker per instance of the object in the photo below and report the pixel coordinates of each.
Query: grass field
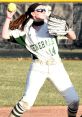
column 13, row 76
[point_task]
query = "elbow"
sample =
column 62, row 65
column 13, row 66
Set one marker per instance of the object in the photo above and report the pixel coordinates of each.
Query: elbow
column 5, row 36
column 2, row 36
column 71, row 35
column 74, row 37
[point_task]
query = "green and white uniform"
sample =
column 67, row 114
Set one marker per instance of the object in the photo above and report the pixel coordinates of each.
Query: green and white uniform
column 48, row 64
column 38, row 42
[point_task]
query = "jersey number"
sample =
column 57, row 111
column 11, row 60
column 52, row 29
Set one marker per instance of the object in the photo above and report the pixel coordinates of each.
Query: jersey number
column 52, row 51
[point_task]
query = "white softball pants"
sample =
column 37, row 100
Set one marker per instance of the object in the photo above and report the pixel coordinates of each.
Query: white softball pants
column 37, row 75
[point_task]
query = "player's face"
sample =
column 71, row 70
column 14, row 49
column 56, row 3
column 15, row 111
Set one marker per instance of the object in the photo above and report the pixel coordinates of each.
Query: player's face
column 39, row 13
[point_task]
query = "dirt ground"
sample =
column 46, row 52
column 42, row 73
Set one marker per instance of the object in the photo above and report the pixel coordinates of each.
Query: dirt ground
column 42, row 111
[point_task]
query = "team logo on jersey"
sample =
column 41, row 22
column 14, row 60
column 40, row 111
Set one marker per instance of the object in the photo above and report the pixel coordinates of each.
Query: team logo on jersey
column 42, row 44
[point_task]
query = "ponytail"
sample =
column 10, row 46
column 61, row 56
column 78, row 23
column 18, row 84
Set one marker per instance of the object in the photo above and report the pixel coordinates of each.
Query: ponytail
column 24, row 18
column 19, row 23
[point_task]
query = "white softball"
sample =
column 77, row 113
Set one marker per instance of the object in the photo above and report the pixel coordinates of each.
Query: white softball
column 11, row 7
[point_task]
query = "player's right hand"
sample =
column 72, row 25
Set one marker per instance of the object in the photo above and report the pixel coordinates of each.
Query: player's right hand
column 10, row 14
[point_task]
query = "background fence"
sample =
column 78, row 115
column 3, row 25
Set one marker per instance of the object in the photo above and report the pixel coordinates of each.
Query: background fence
column 71, row 11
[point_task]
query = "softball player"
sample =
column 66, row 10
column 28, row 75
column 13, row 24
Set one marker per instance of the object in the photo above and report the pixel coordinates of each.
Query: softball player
column 31, row 30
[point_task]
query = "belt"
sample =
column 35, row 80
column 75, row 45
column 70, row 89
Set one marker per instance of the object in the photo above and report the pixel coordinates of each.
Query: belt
column 48, row 62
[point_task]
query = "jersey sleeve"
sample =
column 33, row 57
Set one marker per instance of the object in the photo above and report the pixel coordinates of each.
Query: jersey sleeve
column 17, row 36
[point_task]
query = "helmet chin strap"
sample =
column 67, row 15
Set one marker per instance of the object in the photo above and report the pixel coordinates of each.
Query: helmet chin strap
column 35, row 23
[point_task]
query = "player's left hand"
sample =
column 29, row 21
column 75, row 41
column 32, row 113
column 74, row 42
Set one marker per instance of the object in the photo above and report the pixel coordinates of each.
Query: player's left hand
column 57, row 26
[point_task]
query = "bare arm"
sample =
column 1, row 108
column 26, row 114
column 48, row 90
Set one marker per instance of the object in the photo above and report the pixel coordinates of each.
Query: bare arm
column 71, row 35
column 5, row 30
